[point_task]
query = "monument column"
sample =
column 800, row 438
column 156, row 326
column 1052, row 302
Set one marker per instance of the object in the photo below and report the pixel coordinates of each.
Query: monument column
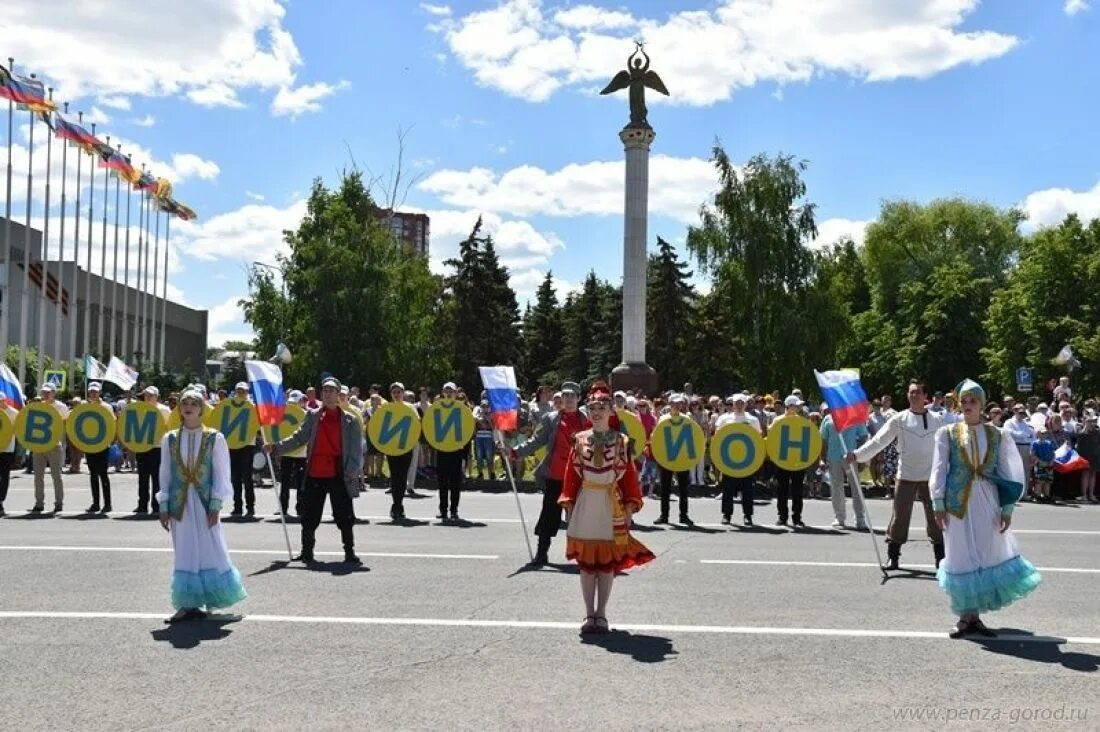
column 634, row 373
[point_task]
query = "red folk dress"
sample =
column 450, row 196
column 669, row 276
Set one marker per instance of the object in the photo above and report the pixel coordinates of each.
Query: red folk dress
column 600, row 482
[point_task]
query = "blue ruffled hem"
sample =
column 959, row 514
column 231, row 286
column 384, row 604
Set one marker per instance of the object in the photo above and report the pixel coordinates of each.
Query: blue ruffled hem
column 207, row 588
column 989, row 588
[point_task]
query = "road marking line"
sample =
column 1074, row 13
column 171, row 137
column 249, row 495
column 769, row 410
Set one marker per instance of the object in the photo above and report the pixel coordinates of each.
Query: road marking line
column 552, row 625
column 281, row 552
column 777, row 563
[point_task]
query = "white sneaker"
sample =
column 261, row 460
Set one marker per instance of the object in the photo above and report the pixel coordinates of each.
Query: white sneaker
column 837, row 524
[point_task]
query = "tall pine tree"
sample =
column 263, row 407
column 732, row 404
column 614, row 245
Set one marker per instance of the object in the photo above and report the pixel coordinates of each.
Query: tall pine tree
column 670, row 306
column 542, row 335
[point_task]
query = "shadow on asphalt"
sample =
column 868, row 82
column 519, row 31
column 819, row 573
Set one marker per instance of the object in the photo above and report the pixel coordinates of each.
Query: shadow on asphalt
column 85, row 517
column 696, row 528
column 1041, row 649
column 404, row 522
column 136, row 517
column 758, row 529
column 910, row 574
column 336, row 569
column 460, row 524
column 559, row 568
column 190, row 633
column 642, row 648
column 821, row 532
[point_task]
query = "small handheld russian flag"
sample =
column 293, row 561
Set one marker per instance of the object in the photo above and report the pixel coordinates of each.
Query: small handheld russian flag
column 1068, row 460
column 500, row 384
column 265, row 381
column 845, row 396
column 11, row 393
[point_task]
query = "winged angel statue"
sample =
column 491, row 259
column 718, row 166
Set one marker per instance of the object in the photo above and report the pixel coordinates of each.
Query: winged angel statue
column 637, row 77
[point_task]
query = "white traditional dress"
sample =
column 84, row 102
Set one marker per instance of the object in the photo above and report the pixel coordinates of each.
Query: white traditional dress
column 977, row 477
column 194, row 479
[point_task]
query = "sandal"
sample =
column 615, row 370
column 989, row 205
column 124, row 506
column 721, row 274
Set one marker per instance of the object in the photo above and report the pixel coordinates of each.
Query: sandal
column 980, row 628
column 602, row 626
column 962, row 628
column 589, row 626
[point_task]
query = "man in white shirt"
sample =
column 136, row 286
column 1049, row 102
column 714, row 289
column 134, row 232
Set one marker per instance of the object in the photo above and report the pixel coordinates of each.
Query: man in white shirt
column 729, row 485
column 53, row 459
column 1023, row 434
column 915, row 432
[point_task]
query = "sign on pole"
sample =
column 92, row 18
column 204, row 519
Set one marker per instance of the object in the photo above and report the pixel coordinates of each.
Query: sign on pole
column 1025, row 379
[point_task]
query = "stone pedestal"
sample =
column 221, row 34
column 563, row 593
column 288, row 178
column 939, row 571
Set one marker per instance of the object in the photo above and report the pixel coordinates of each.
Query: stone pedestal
column 633, row 373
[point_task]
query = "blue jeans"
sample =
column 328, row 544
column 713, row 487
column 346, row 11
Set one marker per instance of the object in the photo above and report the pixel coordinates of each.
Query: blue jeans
column 483, row 451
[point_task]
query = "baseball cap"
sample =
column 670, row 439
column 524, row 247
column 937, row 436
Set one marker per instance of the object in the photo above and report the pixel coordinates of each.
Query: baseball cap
column 151, row 390
column 570, row 387
column 344, row 389
column 736, row 398
column 295, row 395
column 620, row 393
column 792, row 401
column 450, row 385
column 48, row 386
column 95, row 386
column 330, row 381
column 678, row 398
column 241, row 385
column 397, row 385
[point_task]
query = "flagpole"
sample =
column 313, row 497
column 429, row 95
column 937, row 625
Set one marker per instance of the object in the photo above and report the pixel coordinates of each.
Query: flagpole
column 61, row 252
column 88, row 270
column 145, row 275
column 164, row 293
column 126, row 277
column 114, row 264
column 26, row 299
column 515, row 492
column 152, row 314
column 74, row 304
column 103, row 261
column 5, row 306
column 275, row 484
column 858, row 489
column 44, row 301
column 142, row 236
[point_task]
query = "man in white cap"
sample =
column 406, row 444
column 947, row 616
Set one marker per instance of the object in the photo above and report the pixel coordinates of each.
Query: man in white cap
column 399, row 465
column 730, row 485
column 788, row 483
column 148, row 462
column 677, row 404
column 53, row 458
column 292, row 466
column 98, row 464
column 240, row 463
column 449, row 467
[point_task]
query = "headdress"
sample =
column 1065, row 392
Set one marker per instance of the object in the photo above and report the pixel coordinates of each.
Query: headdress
column 599, row 391
column 969, row 387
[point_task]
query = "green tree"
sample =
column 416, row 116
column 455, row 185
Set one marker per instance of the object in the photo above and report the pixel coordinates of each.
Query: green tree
column 232, row 373
column 670, row 304
column 591, row 328
column 751, row 239
column 357, row 303
column 542, row 332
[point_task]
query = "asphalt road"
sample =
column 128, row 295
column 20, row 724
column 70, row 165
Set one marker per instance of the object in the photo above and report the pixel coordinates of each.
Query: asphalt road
column 729, row 628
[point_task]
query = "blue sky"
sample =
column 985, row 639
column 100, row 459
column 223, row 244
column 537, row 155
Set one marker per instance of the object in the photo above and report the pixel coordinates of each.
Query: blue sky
column 244, row 103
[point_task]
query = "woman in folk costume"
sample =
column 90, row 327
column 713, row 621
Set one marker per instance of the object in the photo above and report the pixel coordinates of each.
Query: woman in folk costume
column 601, row 493
column 194, row 481
column 977, row 479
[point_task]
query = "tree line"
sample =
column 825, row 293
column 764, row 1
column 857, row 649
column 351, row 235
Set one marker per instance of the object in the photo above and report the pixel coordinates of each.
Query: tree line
column 937, row 291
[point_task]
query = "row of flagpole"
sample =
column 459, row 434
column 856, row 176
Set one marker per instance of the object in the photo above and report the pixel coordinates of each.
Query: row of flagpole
column 29, row 94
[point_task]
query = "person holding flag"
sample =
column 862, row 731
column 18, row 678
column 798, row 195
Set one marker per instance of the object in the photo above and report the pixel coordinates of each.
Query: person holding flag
column 11, row 400
column 334, row 466
column 841, row 431
column 977, row 479
column 194, row 480
column 556, row 432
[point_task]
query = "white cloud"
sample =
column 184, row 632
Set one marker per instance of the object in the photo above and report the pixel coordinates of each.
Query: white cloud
column 188, row 165
column 1049, row 207
column 1073, row 7
column 225, row 322
column 590, row 17
column 831, row 231
column 206, row 50
column 678, row 186
column 306, row 98
column 146, row 121
column 254, row 196
column 97, row 116
column 524, row 51
column 115, row 102
column 439, row 11
column 252, row 232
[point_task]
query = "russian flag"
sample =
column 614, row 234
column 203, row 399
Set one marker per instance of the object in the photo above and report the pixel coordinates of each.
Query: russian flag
column 845, row 396
column 500, row 383
column 10, row 392
column 265, row 381
column 1068, row 460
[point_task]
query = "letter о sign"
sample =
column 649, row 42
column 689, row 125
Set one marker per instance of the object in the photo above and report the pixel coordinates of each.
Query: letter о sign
column 678, row 443
column 238, row 423
column 292, row 420
column 7, row 427
column 737, row 450
column 632, row 428
column 394, row 428
column 448, row 425
column 91, row 427
column 141, row 427
column 793, row 443
column 39, row 427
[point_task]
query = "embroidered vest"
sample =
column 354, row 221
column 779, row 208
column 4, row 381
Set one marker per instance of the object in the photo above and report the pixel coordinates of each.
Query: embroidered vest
column 195, row 477
column 964, row 467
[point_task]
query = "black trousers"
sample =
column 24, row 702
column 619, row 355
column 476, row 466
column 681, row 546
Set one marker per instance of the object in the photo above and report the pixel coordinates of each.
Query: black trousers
column 148, row 466
column 449, row 475
column 7, row 459
column 97, row 467
column 550, row 517
column 730, row 486
column 789, row 485
column 311, row 504
column 240, row 473
column 399, row 477
column 683, row 481
column 292, row 473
